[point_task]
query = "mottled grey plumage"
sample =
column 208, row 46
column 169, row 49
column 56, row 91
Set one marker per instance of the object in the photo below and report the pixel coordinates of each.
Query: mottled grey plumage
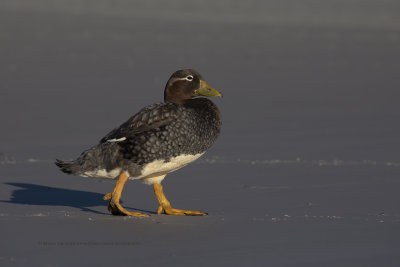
column 148, row 118
column 157, row 132
column 193, row 130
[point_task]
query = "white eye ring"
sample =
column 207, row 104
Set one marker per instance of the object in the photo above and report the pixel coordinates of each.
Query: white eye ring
column 189, row 78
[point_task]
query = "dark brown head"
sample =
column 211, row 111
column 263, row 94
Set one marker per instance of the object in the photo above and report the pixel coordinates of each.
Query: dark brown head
column 186, row 84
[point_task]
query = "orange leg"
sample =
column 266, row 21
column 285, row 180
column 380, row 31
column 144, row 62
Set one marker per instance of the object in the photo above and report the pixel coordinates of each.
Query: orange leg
column 165, row 205
column 114, row 206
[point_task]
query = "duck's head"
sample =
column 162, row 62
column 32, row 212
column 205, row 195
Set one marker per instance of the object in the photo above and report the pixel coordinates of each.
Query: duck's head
column 186, row 84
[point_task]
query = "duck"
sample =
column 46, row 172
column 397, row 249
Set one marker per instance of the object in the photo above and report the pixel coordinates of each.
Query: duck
column 161, row 138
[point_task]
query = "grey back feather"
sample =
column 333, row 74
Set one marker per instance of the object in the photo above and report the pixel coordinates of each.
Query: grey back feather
column 150, row 117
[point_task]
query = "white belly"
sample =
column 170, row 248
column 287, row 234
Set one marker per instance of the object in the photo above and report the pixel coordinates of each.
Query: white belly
column 153, row 172
column 160, row 168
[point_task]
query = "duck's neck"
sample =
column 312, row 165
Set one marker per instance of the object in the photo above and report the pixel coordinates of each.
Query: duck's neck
column 174, row 98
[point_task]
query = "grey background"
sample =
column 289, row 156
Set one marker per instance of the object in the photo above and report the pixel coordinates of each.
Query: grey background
column 305, row 172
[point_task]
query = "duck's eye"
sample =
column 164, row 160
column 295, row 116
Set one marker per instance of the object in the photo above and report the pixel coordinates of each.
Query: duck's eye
column 189, row 78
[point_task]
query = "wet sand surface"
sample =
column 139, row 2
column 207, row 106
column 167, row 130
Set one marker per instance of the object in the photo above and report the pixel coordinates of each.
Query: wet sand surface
column 305, row 173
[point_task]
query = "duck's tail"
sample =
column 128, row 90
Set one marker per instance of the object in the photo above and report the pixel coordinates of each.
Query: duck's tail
column 92, row 162
column 70, row 167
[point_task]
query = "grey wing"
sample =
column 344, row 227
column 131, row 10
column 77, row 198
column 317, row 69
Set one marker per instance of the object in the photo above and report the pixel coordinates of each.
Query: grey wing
column 151, row 117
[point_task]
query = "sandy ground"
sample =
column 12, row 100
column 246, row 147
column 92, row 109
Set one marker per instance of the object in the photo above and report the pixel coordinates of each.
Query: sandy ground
column 305, row 173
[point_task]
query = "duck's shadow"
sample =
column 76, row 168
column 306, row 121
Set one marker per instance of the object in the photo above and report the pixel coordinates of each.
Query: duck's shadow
column 33, row 194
